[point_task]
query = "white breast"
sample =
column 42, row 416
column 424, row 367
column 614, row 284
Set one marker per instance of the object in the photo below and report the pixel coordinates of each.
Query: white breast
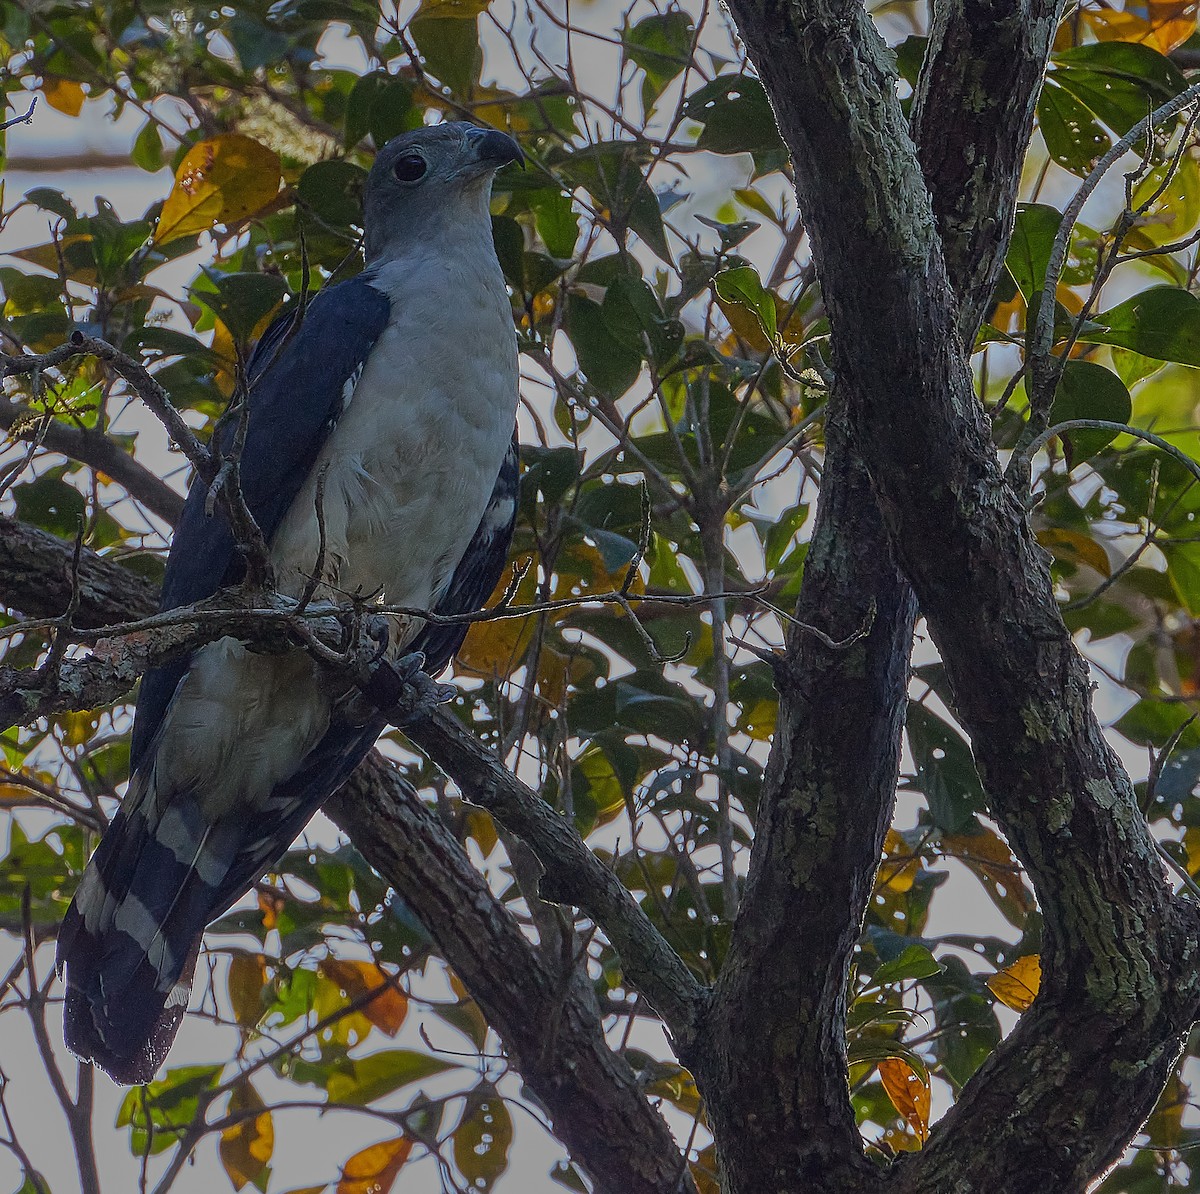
column 412, row 461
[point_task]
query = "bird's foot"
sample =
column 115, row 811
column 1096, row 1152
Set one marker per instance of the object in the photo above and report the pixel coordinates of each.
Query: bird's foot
column 404, row 690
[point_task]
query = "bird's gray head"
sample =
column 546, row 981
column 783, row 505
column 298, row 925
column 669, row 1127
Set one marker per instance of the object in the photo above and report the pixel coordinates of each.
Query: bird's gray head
column 432, row 178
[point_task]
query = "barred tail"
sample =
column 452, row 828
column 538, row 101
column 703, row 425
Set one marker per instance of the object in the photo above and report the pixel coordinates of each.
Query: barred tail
column 163, row 870
column 130, row 939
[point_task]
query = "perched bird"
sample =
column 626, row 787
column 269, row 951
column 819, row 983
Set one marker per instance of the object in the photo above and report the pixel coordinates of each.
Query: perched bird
column 396, row 395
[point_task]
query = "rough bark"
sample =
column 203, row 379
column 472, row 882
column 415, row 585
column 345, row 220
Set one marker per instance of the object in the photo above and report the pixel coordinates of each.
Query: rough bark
column 828, row 789
column 543, row 1007
column 972, row 118
column 1118, row 991
column 96, row 450
column 35, row 569
column 772, row 1060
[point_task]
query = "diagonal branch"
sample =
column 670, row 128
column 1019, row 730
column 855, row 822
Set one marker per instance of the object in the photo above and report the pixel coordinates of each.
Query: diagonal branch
column 547, row 1016
column 97, row 451
column 572, row 874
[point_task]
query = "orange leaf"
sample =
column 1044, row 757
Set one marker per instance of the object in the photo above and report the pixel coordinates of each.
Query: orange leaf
column 909, row 1093
column 356, row 979
column 704, row 1171
column 64, row 95
column 1016, row 986
column 220, row 181
column 373, row 1170
column 1076, row 547
column 270, row 906
column 246, row 1147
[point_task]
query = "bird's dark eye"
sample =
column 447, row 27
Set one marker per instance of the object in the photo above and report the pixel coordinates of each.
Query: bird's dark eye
column 410, row 167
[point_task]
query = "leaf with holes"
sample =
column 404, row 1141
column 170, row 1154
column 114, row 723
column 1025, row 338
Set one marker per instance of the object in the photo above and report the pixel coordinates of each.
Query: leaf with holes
column 483, row 1138
column 1016, row 986
column 221, row 180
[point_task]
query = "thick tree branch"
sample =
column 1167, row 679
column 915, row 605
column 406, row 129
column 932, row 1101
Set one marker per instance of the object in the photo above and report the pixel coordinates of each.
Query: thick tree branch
column 1111, row 928
column 772, row 1062
column 572, row 873
column 818, row 783
column 544, row 1009
column 36, row 579
column 972, row 118
column 96, row 450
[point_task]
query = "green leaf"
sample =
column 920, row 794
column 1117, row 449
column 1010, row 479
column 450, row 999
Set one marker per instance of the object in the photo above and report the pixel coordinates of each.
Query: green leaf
column 333, row 191
column 48, row 199
column 483, row 1138
column 612, row 172
column 915, row 962
column 379, row 104
column 148, row 149
column 742, row 285
column 945, row 770
column 160, row 1113
column 736, row 116
column 52, row 504
column 1072, row 134
column 1028, row 256
column 1183, row 567
column 450, row 47
column 362, row 1081
column 608, row 364
column 1162, row 322
column 1089, row 391
column 255, row 44
column 241, row 301
column 661, row 45
column 556, row 221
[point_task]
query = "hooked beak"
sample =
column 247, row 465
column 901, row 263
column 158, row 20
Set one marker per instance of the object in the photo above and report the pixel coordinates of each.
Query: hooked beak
column 494, row 148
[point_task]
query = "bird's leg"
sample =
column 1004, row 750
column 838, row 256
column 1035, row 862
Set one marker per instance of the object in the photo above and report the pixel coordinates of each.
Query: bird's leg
column 400, row 688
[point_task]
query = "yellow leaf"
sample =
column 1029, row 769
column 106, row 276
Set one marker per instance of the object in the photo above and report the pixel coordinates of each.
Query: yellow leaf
column 1016, row 986
column 78, row 727
column 900, row 865
column 220, row 181
column 64, row 95
column 246, row 1147
column 245, row 981
column 909, row 1093
column 494, row 648
column 1166, row 25
column 991, row 861
column 373, row 1170
column 1165, row 1126
column 759, row 720
column 1075, row 547
column 704, row 1171
column 356, row 979
column 480, row 826
column 745, row 323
